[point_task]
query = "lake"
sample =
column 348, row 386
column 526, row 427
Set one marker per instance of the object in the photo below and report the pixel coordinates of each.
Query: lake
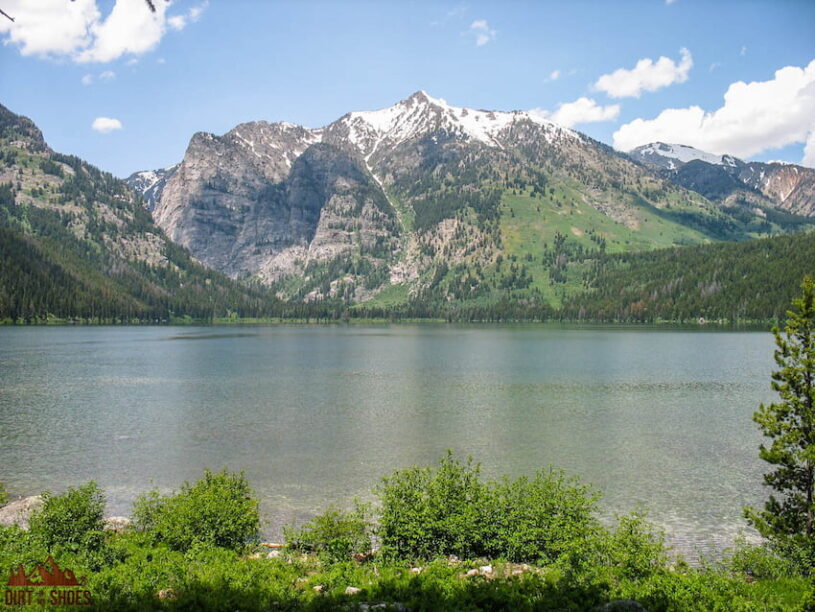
column 317, row 414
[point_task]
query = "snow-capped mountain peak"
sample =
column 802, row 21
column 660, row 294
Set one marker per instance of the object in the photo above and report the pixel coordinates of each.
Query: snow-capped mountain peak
column 422, row 113
column 674, row 156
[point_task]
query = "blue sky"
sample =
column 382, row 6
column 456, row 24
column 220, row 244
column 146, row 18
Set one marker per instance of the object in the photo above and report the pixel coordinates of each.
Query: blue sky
column 155, row 79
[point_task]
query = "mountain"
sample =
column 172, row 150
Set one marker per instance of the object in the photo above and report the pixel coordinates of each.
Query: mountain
column 150, row 183
column 775, row 185
column 77, row 243
column 423, row 201
column 404, row 213
column 674, row 156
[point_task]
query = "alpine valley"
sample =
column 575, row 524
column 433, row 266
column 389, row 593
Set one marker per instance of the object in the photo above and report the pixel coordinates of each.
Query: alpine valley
column 418, row 209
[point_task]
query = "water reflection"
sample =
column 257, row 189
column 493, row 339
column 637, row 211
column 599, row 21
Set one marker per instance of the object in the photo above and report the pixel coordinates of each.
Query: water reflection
column 318, row 414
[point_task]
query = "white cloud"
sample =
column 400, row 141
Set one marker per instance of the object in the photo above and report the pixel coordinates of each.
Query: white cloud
column 105, row 125
column 129, row 28
column 809, row 151
column 743, row 51
column 755, row 117
column 177, row 22
column 48, row 27
column 195, row 12
column 669, row 2
column 714, row 66
column 582, row 110
column 79, row 30
column 554, row 75
column 482, row 31
column 87, row 79
column 107, row 75
column 647, row 75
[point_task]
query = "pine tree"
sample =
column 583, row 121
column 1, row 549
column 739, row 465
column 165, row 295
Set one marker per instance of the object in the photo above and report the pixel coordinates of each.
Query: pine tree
column 789, row 519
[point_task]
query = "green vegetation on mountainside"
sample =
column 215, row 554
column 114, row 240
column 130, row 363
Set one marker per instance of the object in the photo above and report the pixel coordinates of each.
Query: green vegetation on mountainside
column 77, row 244
column 752, row 280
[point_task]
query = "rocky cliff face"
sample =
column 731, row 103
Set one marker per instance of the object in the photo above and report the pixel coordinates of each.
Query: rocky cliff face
column 791, row 187
column 265, row 199
column 423, row 195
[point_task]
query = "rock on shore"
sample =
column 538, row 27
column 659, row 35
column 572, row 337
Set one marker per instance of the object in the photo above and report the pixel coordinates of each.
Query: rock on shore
column 19, row 511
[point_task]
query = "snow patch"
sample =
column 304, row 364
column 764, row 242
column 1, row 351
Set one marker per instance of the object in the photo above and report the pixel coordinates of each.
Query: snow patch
column 421, row 113
column 683, row 154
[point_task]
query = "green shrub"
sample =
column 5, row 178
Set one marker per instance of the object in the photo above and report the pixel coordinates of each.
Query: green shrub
column 758, row 561
column 72, row 521
column 541, row 519
column 429, row 512
column 635, row 549
column 4, row 496
column 19, row 546
column 447, row 510
column 219, row 510
column 335, row 535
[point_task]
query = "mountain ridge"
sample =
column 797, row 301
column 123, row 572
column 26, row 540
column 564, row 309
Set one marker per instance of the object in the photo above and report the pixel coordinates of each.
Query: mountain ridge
column 786, row 186
column 453, row 184
column 498, row 241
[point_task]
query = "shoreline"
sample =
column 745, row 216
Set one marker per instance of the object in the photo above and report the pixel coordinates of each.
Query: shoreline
column 745, row 325
column 680, row 543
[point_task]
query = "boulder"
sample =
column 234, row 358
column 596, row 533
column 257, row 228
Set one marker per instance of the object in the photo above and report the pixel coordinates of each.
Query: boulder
column 117, row 524
column 18, row 512
column 352, row 591
column 166, row 594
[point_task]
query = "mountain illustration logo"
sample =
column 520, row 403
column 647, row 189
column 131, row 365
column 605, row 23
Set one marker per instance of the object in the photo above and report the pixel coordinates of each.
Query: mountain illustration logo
column 46, row 574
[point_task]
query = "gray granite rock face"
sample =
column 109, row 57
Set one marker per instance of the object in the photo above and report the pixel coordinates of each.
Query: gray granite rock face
column 19, row 511
column 264, row 199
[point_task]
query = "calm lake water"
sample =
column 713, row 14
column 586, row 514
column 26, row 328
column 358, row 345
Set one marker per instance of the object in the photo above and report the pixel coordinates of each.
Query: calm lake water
column 316, row 415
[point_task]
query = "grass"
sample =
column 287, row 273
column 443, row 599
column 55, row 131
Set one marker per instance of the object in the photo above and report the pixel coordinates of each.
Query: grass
column 391, row 295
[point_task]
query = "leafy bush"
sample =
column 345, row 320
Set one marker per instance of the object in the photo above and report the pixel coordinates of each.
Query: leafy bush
column 335, row 535
column 635, row 549
column 429, row 512
column 219, row 510
column 19, row 546
column 540, row 519
column 72, row 521
column 758, row 561
column 4, row 496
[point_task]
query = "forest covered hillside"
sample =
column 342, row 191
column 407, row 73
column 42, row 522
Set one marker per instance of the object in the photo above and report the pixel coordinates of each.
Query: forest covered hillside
column 77, row 243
